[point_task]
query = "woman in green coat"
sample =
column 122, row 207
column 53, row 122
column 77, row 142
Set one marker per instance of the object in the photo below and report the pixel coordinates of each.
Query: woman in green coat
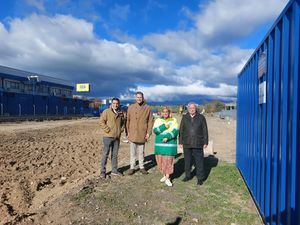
column 165, row 147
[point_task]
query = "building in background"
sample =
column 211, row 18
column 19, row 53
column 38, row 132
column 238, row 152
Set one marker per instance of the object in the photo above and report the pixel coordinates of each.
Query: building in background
column 29, row 94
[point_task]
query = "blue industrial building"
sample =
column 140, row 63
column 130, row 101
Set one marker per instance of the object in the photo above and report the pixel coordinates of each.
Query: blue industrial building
column 26, row 94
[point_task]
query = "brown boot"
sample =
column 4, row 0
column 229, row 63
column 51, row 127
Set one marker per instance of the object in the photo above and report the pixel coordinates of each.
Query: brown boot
column 143, row 171
column 131, row 172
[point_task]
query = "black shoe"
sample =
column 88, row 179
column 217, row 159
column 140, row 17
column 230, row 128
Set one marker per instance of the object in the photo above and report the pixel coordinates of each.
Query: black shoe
column 185, row 179
column 143, row 171
column 131, row 172
column 199, row 182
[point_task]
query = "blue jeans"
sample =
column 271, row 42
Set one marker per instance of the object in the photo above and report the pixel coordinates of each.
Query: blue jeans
column 113, row 144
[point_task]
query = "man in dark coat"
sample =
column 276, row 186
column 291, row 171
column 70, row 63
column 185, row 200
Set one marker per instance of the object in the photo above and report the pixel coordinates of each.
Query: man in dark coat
column 193, row 137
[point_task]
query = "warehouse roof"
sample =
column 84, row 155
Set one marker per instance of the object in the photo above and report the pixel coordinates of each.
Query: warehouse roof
column 26, row 74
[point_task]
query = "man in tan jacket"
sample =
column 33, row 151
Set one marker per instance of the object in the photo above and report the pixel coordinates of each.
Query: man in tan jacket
column 111, row 122
column 139, row 127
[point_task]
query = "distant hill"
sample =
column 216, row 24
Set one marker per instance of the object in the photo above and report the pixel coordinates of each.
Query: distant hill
column 201, row 100
column 184, row 100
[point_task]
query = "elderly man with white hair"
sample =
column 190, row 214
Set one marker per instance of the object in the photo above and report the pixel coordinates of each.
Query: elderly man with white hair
column 193, row 137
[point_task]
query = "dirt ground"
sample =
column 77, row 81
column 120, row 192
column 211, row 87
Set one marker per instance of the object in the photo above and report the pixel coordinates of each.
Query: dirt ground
column 42, row 164
column 222, row 133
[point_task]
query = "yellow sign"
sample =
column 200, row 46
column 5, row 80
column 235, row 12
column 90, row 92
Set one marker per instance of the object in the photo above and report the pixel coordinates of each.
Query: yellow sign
column 83, row 87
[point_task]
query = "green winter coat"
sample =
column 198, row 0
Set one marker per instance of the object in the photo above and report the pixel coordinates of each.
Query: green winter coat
column 161, row 131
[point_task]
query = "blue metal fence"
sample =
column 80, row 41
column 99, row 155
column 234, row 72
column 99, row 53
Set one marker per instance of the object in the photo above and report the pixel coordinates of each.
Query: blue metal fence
column 268, row 121
column 18, row 104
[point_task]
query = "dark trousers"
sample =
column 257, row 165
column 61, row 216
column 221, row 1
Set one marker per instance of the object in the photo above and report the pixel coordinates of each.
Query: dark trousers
column 198, row 156
column 113, row 144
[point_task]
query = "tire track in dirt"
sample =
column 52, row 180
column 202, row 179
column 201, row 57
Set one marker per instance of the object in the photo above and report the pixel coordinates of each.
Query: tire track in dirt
column 34, row 162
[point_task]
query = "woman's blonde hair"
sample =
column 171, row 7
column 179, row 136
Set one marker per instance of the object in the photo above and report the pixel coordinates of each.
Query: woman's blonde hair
column 167, row 108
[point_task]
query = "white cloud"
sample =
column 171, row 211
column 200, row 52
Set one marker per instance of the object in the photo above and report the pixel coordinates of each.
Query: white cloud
column 40, row 40
column 218, row 23
column 206, row 52
column 37, row 4
column 179, row 47
column 221, row 67
column 229, row 19
column 162, row 92
column 66, row 47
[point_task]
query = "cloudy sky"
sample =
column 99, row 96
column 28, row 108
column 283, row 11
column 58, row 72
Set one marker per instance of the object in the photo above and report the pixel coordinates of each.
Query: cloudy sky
column 172, row 50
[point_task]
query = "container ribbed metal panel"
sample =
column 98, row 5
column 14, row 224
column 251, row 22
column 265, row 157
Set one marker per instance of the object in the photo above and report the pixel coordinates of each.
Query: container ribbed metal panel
column 268, row 121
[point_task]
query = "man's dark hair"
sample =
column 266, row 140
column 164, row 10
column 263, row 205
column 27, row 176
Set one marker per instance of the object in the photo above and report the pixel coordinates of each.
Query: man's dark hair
column 139, row 93
column 115, row 99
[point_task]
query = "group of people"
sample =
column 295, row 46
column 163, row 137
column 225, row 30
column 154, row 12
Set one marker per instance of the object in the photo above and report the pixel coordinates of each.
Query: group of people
column 139, row 124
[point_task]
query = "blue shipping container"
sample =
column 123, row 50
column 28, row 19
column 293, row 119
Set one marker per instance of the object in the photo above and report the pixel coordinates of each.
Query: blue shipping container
column 268, row 121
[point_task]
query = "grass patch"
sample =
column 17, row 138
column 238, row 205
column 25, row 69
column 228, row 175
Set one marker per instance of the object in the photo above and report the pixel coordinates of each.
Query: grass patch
column 140, row 199
column 84, row 194
column 223, row 199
